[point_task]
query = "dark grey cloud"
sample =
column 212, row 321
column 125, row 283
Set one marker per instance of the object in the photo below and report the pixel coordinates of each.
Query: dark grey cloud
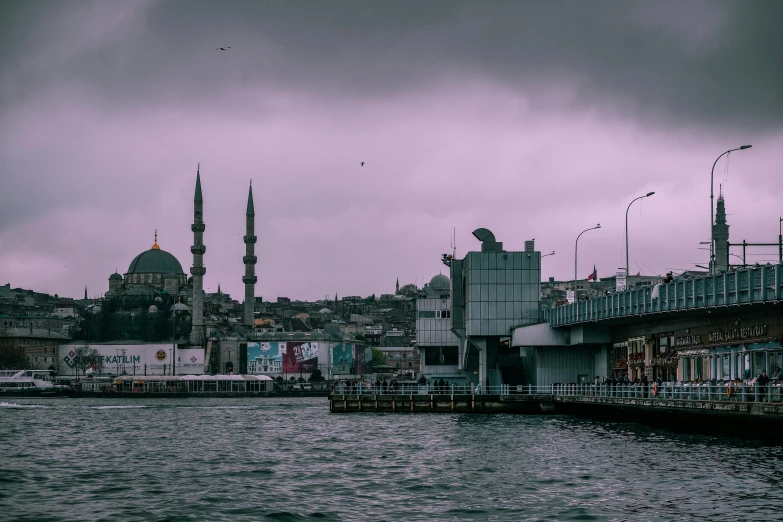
column 692, row 63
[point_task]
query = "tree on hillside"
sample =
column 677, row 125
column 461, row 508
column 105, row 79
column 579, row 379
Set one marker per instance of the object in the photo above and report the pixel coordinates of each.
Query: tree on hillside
column 378, row 359
column 317, row 376
column 86, row 357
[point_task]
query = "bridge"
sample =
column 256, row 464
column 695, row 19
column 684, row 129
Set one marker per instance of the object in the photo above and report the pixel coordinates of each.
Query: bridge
column 753, row 285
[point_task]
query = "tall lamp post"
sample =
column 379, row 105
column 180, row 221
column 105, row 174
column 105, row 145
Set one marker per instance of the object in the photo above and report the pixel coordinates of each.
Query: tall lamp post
column 626, row 230
column 576, row 250
column 712, row 206
column 780, row 241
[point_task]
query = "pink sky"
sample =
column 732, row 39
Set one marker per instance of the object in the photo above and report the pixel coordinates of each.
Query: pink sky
column 534, row 123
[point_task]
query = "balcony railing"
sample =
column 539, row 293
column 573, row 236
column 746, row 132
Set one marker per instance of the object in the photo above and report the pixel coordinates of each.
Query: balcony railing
column 751, row 285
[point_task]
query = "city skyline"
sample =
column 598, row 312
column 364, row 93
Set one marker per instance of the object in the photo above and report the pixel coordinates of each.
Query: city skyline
column 492, row 123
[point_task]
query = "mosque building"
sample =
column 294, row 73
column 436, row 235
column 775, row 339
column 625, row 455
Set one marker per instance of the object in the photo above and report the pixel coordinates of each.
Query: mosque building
column 155, row 273
column 153, row 269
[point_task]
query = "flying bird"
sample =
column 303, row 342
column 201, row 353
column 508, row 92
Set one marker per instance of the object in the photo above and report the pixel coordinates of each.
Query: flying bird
column 362, row 164
column 222, row 48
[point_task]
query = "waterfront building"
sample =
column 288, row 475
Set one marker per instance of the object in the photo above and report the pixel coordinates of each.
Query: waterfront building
column 29, row 348
column 492, row 292
column 436, row 343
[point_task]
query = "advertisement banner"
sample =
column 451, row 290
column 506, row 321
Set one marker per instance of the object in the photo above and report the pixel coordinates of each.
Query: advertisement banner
column 342, row 359
column 300, row 357
column 132, row 359
column 621, row 281
column 265, row 358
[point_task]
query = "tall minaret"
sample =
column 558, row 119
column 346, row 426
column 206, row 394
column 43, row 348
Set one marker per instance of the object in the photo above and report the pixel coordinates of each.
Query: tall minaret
column 250, row 259
column 198, row 270
column 720, row 231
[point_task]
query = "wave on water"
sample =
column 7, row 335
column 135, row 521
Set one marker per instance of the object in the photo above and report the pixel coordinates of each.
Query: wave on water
column 14, row 405
column 126, row 407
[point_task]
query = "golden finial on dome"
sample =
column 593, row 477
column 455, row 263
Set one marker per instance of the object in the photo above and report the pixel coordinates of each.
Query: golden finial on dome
column 155, row 245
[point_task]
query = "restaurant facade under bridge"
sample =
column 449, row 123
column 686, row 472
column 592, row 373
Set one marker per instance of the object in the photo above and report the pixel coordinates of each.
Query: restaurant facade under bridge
column 723, row 345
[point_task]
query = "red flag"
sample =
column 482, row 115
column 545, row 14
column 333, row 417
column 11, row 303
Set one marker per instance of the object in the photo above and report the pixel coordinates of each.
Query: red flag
column 594, row 275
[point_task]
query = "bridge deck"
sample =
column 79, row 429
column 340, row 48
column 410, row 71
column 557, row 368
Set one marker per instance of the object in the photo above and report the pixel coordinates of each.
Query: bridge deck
column 752, row 285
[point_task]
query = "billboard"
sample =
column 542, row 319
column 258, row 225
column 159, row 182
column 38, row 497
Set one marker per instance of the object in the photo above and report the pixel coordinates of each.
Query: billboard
column 363, row 357
column 265, row 357
column 342, row 359
column 134, row 359
column 300, row 357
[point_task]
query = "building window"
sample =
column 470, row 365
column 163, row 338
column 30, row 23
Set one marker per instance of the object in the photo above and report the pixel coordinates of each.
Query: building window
column 426, row 314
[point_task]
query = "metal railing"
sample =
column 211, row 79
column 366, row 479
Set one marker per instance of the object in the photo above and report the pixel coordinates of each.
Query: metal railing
column 715, row 391
column 720, row 391
column 756, row 284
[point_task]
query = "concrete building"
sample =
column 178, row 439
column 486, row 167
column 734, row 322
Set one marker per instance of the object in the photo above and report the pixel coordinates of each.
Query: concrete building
column 29, row 348
column 436, row 343
column 493, row 291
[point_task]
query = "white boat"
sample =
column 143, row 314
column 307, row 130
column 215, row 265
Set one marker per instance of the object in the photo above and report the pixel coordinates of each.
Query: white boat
column 29, row 382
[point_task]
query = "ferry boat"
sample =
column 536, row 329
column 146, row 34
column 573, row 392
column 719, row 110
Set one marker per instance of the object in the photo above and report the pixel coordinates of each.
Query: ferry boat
column 30, row 383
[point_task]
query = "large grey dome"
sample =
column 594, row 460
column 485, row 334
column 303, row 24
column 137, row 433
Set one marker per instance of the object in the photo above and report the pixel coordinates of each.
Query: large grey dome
column 440, row 281
column 155, row 261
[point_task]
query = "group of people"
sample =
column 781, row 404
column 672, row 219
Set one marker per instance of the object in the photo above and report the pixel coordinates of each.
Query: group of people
column 379, row 386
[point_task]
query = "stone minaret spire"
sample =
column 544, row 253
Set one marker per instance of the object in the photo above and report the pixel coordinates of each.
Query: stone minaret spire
column 720, row 231
column 198, row 270
column 250, row 259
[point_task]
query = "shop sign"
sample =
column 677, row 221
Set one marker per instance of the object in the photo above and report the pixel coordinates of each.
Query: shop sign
column 688, row 340
column 738, row 333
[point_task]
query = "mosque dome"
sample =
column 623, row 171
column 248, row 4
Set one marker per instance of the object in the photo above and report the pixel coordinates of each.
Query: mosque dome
column 115, row 277
column 155, row 261
column 440, row 281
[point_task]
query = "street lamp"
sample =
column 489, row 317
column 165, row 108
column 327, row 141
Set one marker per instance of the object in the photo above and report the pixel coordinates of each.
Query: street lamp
column 712, row 206
column 553, row 252
column 576, row 249
column 626, row 229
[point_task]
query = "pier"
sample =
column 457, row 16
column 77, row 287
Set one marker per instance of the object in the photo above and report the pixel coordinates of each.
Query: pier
column 734, row 409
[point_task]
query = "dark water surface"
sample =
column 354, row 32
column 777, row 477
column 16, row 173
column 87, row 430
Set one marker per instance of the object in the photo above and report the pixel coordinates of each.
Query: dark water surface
column 289, row 459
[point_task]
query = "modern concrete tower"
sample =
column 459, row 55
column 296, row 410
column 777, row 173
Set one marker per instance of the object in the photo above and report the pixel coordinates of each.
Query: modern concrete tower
column 198, row 270
column 250, row 259
column 720, row 231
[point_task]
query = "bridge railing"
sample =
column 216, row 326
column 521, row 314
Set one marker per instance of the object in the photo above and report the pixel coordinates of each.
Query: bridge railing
column 750, row 285
column 722, row 391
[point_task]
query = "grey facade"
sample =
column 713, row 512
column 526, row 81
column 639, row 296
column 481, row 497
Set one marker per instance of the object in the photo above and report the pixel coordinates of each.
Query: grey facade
column 437, row 344
column 493, row 291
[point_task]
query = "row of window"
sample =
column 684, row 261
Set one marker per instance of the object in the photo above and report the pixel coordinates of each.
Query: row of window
column 434, row 314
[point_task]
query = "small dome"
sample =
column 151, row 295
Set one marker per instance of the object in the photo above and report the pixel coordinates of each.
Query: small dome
column 324, row 311
column 115, row 277
column 439, row 280
column 153, row 309
column 178, row 307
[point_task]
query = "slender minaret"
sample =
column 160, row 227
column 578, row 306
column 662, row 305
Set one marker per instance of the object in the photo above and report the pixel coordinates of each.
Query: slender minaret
column 250, row 259
column 198, row 270
column 720, row 231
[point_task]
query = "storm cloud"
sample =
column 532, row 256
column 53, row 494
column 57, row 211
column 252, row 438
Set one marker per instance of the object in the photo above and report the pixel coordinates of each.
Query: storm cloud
column 534, row 119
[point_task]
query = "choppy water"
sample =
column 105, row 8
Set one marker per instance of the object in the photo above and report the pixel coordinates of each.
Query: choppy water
column 289, row 459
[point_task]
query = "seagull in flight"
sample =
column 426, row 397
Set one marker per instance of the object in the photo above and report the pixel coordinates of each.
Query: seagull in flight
column 222, row 48
column 362, row 164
